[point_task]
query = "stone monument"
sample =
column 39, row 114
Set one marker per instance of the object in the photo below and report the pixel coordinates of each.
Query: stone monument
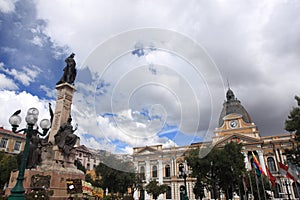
column 58, row 156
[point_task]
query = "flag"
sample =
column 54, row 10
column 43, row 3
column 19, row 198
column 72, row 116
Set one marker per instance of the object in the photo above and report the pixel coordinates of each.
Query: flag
column 286, row 171
column 271, row 178
column 258, row 168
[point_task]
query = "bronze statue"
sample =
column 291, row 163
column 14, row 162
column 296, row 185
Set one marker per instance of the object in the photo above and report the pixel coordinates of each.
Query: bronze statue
column 65, row 138
column 69, row 71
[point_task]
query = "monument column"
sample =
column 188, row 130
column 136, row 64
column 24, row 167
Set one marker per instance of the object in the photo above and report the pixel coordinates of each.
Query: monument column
column 64, row 99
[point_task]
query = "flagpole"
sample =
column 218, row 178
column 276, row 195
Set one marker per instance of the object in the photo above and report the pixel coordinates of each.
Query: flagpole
column 244, row 186
column 296, row 184
column 262, row 182
column 257, row 187
column 250, row 184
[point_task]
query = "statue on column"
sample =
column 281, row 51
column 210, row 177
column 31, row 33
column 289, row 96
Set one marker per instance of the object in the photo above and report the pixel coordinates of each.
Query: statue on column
column 65, row 138
column 69, row 71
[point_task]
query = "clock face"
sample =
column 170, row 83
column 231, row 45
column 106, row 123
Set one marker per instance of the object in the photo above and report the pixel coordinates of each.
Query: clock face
column 233, row 123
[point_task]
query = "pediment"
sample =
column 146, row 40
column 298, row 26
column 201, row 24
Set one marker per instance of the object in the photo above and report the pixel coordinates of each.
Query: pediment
column 146, row 150
column 238, row 138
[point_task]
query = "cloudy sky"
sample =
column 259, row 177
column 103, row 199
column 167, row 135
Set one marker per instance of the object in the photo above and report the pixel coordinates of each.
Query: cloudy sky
column 151, row 72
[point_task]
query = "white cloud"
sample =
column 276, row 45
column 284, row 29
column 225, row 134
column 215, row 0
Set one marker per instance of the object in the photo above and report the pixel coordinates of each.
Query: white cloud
column 6, row 83
column 7, row 6
column 11, row 101
column 51, row 93
column 247, row 49
column 37, row 41
column 26, row 76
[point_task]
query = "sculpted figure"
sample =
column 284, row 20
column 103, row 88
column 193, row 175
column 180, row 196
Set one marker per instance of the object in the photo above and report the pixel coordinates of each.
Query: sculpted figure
column 69, row 71
column 65, row 138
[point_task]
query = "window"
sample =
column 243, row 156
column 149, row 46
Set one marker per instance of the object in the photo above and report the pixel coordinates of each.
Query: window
column 169, row 193
column 277, row 191
column 88, row 166
column 168, row 171
column 296, row 189
column 80, row 154
column 154, row 171
column 17, row 146
column 3, row 143
column 271, row 164
column 142, row 172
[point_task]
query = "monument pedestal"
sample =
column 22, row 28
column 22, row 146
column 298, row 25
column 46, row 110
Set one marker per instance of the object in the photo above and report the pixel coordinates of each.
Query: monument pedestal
column 56, row 167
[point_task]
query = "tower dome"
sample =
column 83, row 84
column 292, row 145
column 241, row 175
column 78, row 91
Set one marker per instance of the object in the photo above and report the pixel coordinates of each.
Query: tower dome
column 233, row 105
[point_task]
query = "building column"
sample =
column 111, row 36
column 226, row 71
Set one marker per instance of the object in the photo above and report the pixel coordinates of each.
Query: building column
column 160, row 175
column 246, row 161
column 262, row 160
column 160, row 171
column 136, row 192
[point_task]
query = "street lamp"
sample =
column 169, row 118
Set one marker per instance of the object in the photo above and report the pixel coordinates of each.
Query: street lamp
column 15, row 120
column 183, row 174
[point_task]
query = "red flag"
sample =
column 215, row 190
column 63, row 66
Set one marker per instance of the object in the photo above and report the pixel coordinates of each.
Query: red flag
column 245, row 184
column 285, row 171
column 271, row 178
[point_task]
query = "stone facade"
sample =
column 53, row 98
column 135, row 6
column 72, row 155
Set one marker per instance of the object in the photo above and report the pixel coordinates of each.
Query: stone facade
column 11, row 142
column 233, row 128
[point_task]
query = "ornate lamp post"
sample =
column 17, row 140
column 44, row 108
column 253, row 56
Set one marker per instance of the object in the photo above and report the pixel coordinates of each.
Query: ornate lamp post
column 17, row 193
column 183, row 173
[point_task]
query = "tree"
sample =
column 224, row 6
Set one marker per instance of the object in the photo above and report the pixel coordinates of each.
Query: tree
column 154, row 189
column 79, row 166
column 292, row 124
column 116, row 175
column 221, row 169
column 8, row 163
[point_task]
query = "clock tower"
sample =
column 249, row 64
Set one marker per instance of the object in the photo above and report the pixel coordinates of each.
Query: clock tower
column 234, row 121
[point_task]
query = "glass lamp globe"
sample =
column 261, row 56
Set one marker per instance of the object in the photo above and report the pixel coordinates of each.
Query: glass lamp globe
column 45, row 124
column 33, row 111
column 15, row 120
column 31, row 119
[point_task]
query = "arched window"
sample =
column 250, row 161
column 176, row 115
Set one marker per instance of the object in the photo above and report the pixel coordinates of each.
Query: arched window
column 271, row 164
column 169, row 193
column 296, row 189
column 277, row 191
column 154, row 171
column 168, row 171
column 88, row 166
column 142, row 173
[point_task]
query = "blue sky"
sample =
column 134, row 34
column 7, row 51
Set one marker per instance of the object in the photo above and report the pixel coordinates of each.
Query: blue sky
column 151, row 72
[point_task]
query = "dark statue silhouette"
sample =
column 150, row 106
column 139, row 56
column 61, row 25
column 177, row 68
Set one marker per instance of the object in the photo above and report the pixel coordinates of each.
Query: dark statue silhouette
column 69, row 71
column 65, row 138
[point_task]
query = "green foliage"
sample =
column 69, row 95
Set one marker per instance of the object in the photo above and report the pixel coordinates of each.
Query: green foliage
column 199, row 190
column 116, row 175
column 292, row 124
column 154, row 189
column 8, row 163
column 221, row 169
column 79, row 166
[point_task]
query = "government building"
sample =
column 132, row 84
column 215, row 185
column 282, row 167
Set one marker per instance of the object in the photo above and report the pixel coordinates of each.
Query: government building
column 235, row 125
